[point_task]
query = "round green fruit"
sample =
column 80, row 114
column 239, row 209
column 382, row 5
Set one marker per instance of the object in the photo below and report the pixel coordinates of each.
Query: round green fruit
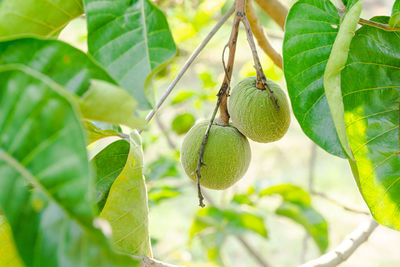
column 255, row 114
column 226, row 156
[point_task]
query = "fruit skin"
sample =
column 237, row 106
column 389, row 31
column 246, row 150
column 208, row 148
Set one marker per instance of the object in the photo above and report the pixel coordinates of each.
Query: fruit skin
column 227, row 155
column 255, row 114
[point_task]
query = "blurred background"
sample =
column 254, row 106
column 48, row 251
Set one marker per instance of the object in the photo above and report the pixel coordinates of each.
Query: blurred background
column 181, row 233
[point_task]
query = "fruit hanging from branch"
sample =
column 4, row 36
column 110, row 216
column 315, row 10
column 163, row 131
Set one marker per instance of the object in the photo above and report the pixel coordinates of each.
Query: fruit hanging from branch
column 227, row 155
column 254, row 113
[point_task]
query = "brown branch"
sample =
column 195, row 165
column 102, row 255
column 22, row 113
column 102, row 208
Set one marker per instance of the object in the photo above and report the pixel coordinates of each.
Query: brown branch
column 222, row 94
column 275, row 9
column 346, row 248
column 377, row 25
column 261, row 36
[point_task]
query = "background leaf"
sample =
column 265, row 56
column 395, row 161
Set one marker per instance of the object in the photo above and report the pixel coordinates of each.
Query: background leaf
column 394, row 20
column 310, row 31
column 290, row 193
column 370, row 87
column 126, row 206
column 310, row 219
column 130, row 39
column 182, row 123
column 46, row 177
column 42, row 17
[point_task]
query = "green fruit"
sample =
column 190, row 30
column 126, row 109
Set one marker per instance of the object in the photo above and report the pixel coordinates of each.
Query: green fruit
column 226, row 156
column 255, row 114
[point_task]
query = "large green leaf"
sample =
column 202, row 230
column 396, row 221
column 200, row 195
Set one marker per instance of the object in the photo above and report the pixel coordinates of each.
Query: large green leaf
column 126, row 206
column 8, row 253
column 310, row 219
column 41, row 17
column 310, row 31
column 45, row 175
column 76, row 71
column 370, row 87
column 58, row 61
column 108, row 165
column 334, row 66
column 130, row 38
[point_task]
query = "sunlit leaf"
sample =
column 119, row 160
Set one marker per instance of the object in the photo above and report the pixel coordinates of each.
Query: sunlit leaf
column 130, row 39
column 370, row 87
column 242, row 199
column 8, row 253
column 46, row 179
column 394, row 20
column 41, row 17
column 182, row 96
column 126, row 207
column 94, row 133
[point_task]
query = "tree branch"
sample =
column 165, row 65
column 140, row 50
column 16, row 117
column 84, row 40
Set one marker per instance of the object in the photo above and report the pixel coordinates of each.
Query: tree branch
column 148, row 262
column 261, row 36
column 346, row 248
column 338, row 203
column 189, row 62
column 275, row 9
column 377, row 25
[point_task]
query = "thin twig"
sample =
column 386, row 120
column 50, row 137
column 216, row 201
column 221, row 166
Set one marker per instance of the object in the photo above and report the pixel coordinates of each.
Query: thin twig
column 338, row 203
column 222, row 95
column 261, row 36
column 377, row 25
column 346, row 248
column 261, row 79
column 311, row 169
column 254, row 253
column 275, row 9
column 189, row 62
column 160, row 125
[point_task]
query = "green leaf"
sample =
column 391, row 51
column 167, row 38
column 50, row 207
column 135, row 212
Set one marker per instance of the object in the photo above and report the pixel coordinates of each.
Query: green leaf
column 370, row 87
column 394, row 20
column 46, row 177
column 229, row 221
column 336, row 62
column 131, row 39
column 94, row 134
column 126, row 206
column 158, row 194
column 242, row 199
column 164, row 166
column 310, row 31
column 41, row 17
column 289, row 193
column 181, row 97
column 183, row 122
column 108, row 165
column 109, row 103
column 58, row 61
column 8, row 253
column 310, row 219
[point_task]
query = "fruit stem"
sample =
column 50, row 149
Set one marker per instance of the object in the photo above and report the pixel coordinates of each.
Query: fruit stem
column 261, row 79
